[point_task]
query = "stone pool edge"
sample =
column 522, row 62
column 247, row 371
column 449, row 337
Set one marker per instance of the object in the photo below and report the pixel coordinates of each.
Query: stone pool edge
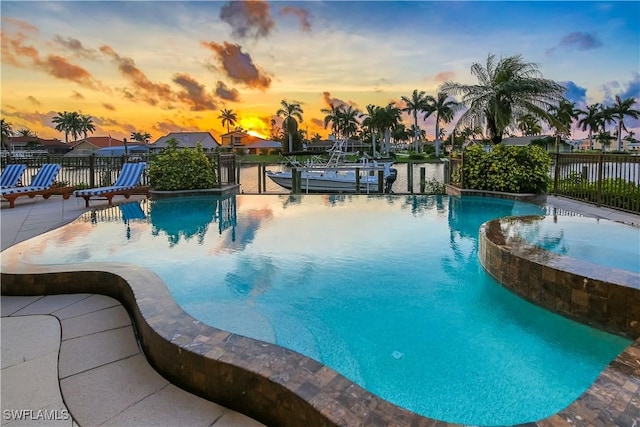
column 272, row 384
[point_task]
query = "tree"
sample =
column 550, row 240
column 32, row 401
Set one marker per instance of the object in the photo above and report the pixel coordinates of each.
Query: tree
column 85, row 125
column 506, row 89
column 140, row 137
column 388, row 120
column 348, row 120
column 604, row 138
column 26, row 132
column 444, row 109
column 228, row 118
column 529, row 125
column 69, row 123
column 591, row 119
column 560, row 117
column 414, row 104
column 290, row 112
column 619, row 110
column 372, row 121
column 7, row 133
column 332, row 115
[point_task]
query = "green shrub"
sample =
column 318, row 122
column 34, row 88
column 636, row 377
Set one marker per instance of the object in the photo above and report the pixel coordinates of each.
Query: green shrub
column 507, row 169
column 181, row 169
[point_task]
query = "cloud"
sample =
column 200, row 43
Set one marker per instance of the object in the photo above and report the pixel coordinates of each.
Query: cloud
column 168, row 126
column 22, row 25
column 238, row 65
column 194, row 93
column 248, row 19
column 75, row 46
column 336, row 102
column 575, row 93
column 633, row 88
column 630, row 89
column 317, row 122
column 577, row 40
column 33, row 100
column 77, row 95
column 109, row 107
column 143, row 89
column 301, row 14
column 14, row 49
column 444, row 76
column 226, row 93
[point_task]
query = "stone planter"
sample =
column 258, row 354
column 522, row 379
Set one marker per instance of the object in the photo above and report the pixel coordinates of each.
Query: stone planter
column 539, row 199
column 221, row 191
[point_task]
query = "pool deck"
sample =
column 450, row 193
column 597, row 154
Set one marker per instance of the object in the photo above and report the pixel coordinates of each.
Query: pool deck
column 78, row 352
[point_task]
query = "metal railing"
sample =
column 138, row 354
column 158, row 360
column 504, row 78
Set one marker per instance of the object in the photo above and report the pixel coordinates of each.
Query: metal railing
column 99, row 171
column 611, row 180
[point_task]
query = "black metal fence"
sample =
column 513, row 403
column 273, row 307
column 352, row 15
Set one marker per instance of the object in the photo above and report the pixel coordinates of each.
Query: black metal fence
column 611, row 180
column 100, row 171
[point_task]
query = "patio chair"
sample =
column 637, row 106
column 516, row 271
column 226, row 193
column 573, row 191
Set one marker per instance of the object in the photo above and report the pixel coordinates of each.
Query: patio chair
column 11, row 175
column 128, row 183
column 41, row 185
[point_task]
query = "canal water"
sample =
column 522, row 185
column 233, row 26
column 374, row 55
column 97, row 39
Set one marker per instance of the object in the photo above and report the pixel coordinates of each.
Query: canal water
column 249, row 177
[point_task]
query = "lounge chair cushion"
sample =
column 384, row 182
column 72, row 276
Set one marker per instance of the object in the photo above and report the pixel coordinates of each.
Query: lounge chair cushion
column 11, row 175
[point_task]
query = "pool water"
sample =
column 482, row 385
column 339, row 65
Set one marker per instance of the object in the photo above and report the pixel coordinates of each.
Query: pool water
column 597, row 241
column 386, row 290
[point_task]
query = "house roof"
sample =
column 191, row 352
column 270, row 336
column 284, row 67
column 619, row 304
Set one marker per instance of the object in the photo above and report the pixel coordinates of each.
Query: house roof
column 26, row 139
column 521, row 140
column 98, row 141
column 188, row 140
column 255, row 142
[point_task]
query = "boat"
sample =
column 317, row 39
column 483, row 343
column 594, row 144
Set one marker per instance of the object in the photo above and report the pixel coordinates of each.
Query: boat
column 337, row 175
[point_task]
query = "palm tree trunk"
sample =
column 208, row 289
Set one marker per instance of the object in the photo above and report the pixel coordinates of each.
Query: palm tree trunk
column 290, row 142
column 437, row 136
column 415, row 131
column 373, row 139
column 620, row 135
column 387, row 138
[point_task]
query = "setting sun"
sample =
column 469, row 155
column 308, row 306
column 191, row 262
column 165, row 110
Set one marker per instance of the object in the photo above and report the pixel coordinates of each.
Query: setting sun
column 255, row 126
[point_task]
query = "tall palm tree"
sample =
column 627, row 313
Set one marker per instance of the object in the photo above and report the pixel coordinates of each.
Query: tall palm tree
column 389, row 119
column 606, row 116
column 561, row 116
column 371, row 120
column 604, row 138
column 26, row 132
column 349, row 121
column 529, row 125
column 228, row 118
column 7, row 133
column 290, row 112
column 445, row 110
column 619, row 110
column 506, row 89
column 332, row 115
column 591, row 119
column 414, row 104
column 85, row 125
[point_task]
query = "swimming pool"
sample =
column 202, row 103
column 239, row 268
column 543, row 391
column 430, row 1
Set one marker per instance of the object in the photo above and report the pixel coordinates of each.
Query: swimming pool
column 387, row 290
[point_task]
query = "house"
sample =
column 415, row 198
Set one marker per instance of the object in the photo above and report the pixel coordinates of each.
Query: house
column 186, row 140
column 92, row 144
column 523, row 141
column 238, row 141
column 352, row 145
column 38, row 145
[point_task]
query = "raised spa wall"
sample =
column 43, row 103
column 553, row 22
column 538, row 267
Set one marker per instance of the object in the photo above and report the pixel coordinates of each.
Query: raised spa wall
column 596, row 295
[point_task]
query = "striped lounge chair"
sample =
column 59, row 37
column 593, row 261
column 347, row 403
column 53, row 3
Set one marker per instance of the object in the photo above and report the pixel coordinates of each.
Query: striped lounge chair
column 127, row 183
column 11, row 175
column 41, row 185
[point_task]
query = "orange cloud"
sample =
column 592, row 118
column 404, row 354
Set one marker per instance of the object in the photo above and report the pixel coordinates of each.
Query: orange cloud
column 144, row 89
column 77, row 95
column 248, row 18
column 336, row 102
column 22, row 25
column 444, row 76
column 238, row 65
column 301, row 14
column 75, row 46
column 33, row 100
column 194, row 93
column 109, row 107
column 60, row 68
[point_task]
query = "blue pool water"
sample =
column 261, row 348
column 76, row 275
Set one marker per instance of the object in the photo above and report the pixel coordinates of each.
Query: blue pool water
column 592, row 240
column 387, row 290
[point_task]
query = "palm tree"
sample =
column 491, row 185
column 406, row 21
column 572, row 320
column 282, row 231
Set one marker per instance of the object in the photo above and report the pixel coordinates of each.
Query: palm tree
column 371, row 120
column 290, row 112
column 560, row 117
column 7, row 133
column 26, row 132
column 228, row 118
column 349, row 121
column 332, row 115
column 604, row 138
column 506, row 89
column 85, row 125
column 444, row 109
column 140, row 137
column 529, row 125
column 414, row 104
column 619, row 110
column 388, row 120
column 592, row 120
column 69, row 123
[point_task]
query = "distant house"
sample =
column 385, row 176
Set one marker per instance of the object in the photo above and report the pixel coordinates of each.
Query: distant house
column 186, row 140
column 352, row 145
column 523, row 141
column 249, row 144
column 92, row 144
column 40, row 145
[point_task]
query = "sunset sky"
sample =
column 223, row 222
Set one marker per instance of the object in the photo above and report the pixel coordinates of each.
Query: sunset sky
column 163, row 66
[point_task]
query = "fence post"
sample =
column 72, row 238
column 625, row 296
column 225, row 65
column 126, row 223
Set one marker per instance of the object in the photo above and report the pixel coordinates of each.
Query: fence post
column 259, row 178
column 446, row 171
column 380, row 181
column 294, row 180
column 92, row 170
column 461, row 170
column 410, row 176
column 599, row 182
column 357, row 171
column 264, row 177
column 556, row 174
column 423, row 174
